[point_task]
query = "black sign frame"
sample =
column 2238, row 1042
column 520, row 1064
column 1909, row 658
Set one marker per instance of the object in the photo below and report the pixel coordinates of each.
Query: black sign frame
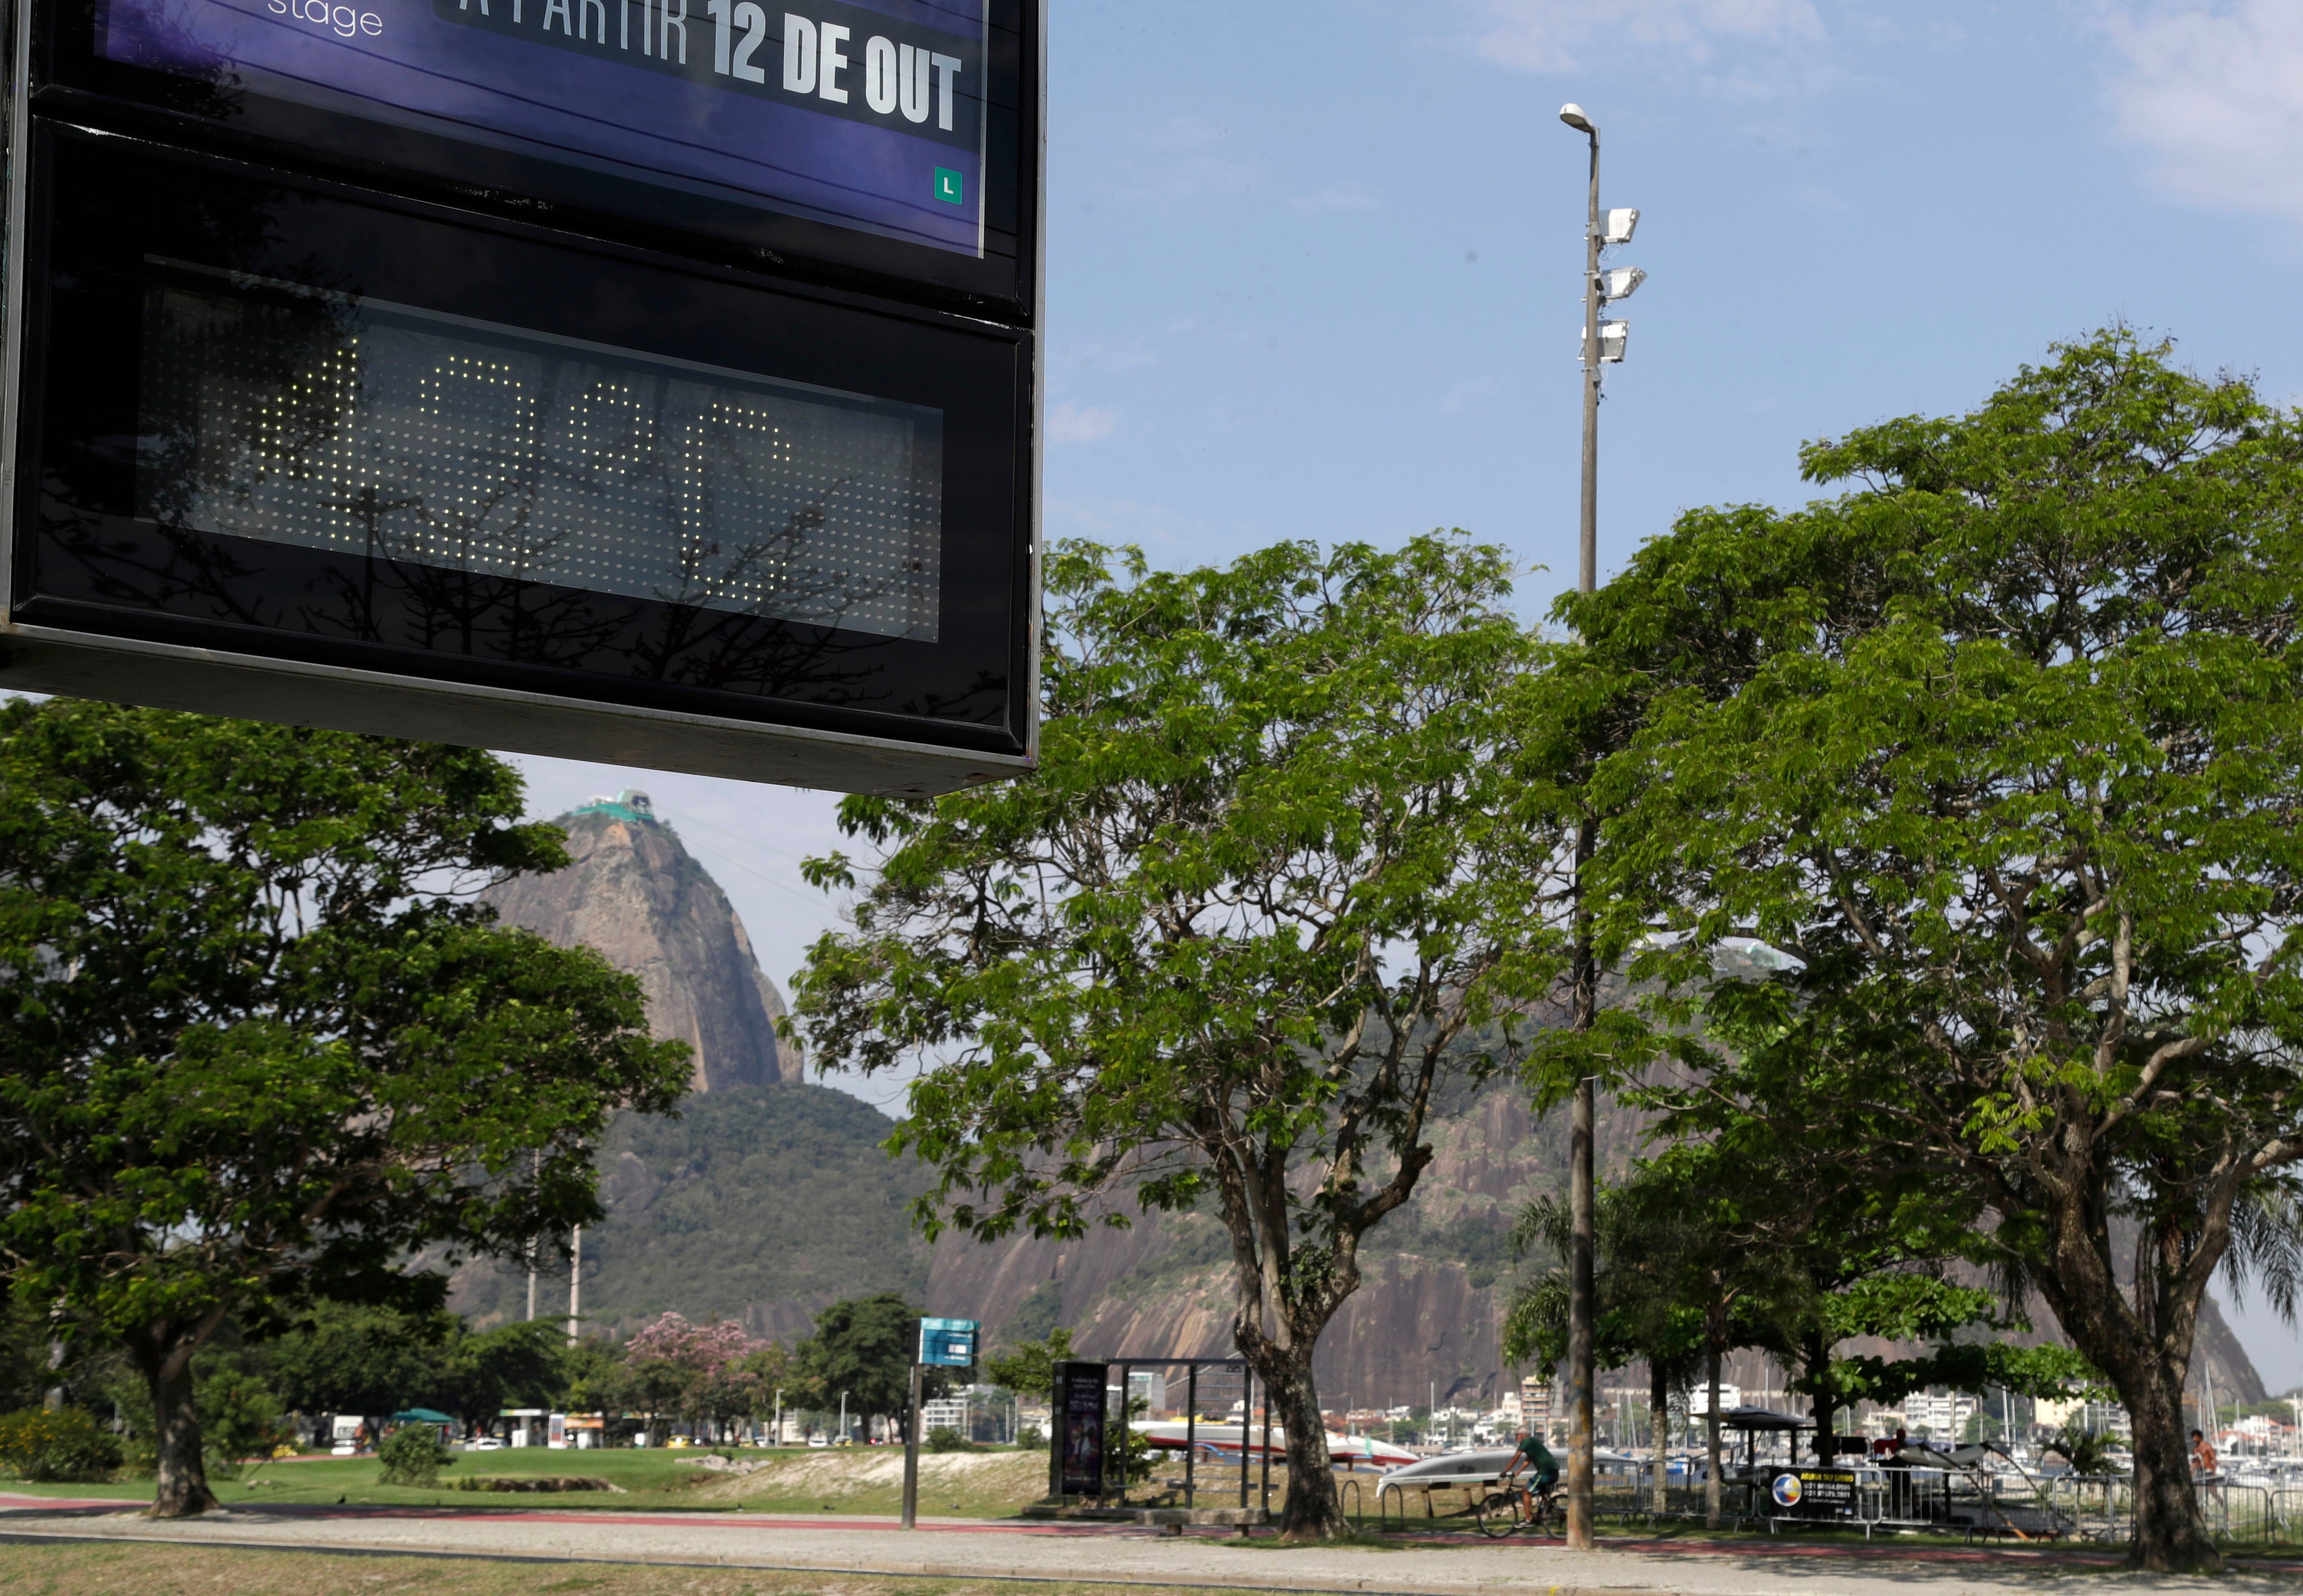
column 68, row 78
column 919, row 740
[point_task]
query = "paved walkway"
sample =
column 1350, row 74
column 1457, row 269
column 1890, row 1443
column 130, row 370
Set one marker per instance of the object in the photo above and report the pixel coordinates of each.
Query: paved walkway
column 977, row 1549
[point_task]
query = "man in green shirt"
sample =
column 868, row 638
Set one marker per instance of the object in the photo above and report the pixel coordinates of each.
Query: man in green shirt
column 1542, row 1467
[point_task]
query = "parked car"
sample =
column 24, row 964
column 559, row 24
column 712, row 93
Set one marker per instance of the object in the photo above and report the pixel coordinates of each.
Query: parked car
column 819, row 1440
column 485, row 1443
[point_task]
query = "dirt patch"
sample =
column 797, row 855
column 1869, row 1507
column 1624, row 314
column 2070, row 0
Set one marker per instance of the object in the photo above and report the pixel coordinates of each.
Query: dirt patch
column 989, row 1485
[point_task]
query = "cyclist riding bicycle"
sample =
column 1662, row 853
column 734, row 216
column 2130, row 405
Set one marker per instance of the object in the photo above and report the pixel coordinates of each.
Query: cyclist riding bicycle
column 1542, row 1467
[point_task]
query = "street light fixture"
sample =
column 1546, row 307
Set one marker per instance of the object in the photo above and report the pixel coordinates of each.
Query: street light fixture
column 1604, row 344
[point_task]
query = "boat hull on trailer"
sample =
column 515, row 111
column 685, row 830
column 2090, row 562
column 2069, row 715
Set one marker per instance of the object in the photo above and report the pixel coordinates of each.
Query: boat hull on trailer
column 1220, row 1439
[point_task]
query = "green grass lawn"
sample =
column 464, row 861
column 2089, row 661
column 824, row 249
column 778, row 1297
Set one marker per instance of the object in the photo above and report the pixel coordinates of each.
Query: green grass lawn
column 655, row 1478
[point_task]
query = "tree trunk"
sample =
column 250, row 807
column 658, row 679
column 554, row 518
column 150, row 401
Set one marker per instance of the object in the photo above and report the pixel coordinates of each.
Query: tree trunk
column 2171, row 1532
column 1711, row 1438
column 183, row 1478
column 1312, row 1509
column 1658, row 1416
column 1817, row 1353
column 2145, row 1346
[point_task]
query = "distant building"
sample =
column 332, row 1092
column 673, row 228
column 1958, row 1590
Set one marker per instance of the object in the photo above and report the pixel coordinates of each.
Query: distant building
column 2107, row 1418
column 1939, row 1418
column 944, row 1412
column 1149, row 1387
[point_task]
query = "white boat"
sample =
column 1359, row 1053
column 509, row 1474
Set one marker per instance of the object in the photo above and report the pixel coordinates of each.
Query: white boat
column 1220, row 1438
column 1452, row 1469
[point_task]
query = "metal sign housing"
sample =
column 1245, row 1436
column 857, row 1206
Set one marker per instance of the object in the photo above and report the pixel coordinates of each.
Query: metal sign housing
column 949, row 1343
column 651, row 381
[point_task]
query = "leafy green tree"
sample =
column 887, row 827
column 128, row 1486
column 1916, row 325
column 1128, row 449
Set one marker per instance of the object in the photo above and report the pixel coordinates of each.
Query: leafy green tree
column 592, row 1377
column 521, row 1364
column 362, row 1358
column 1645, row 1253
column 258, row 1045
column 864, row 1347
column 1268, row 896
column 2003, row 746
column 1030, row 1369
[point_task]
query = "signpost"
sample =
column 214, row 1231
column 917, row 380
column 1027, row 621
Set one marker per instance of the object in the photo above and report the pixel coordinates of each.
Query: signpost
column 944, row 1344
column 653, row 381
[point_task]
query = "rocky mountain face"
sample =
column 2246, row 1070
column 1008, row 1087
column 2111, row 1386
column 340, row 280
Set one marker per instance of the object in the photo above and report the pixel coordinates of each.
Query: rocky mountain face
column 769, row 1198
column 1437, row 1278
column 633, row 893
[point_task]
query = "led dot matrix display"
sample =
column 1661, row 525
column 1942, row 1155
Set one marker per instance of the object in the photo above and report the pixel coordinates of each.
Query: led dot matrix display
column 298, row 417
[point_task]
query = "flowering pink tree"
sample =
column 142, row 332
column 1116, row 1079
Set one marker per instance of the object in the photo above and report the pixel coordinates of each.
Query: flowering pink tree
column 708, row 1372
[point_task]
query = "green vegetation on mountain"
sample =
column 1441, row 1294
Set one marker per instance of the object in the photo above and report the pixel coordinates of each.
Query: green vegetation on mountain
column 756, row 1202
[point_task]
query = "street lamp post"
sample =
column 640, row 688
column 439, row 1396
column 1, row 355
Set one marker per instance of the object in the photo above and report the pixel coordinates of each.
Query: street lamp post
column 1602, row 342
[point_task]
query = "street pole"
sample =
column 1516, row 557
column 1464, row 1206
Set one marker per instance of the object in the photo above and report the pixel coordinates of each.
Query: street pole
column 911, row 1454
column 1585, row 999
column 575, row 1284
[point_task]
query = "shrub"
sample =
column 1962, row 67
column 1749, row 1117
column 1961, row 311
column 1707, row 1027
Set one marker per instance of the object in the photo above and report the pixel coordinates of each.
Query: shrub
column 413, row 1455
column 66, row 1443
column 1030, row 1438
column 240, row 1419
column 943, row 1438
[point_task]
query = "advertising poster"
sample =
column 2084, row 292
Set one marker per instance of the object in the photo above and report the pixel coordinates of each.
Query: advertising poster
column 1813, row 1493
column 862, row 115
column 1079, row 1439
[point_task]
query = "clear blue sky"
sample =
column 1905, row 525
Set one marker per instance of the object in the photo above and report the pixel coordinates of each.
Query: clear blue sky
column 1314, row 272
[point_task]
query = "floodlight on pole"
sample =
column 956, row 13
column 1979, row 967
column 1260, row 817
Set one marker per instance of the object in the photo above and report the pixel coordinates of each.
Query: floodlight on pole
column 1621, row 282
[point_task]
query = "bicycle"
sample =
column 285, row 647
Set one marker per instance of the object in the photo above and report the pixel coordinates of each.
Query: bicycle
column 1500, row 1513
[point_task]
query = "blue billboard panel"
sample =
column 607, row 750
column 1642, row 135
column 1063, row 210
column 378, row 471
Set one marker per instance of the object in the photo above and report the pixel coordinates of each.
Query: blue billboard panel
column 948, row 1343
column 866, row 117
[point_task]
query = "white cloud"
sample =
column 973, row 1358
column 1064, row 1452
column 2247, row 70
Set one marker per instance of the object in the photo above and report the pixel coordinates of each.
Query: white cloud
column 1334, row 196
column 1070, row 423
column 1553, row 36
column 2217, row 94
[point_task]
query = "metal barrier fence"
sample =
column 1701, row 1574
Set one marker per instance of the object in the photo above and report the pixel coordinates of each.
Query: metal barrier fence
column 2241, row 1510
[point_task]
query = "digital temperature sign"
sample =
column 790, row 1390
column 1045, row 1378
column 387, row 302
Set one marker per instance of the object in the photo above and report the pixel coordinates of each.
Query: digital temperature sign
column 648, row 381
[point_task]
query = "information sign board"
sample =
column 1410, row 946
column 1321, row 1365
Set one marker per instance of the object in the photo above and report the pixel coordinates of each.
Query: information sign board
column 1812, row 1493
column 885, row 134
column 1078, row 1411
column 948, row 1343
column 650, row 380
